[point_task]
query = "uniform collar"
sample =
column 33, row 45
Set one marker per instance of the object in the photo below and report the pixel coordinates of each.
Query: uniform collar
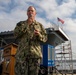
column 34, row 22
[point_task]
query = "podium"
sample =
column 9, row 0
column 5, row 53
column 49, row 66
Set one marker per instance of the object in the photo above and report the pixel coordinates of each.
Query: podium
column 9, row 59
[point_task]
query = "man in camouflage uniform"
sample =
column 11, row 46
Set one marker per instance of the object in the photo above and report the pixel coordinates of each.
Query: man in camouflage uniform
column 29, row 33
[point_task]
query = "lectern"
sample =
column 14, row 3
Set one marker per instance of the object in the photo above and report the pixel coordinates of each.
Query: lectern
column 9, row 59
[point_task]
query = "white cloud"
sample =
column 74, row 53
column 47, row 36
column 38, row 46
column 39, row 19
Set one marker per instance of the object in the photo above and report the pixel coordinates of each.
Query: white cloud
column 70, row 25
column 5, row 2
column 67, row 9
column 44, row 23
column 7, row 25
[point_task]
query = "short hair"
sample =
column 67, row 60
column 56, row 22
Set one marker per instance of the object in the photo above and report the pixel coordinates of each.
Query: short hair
column 31, row 6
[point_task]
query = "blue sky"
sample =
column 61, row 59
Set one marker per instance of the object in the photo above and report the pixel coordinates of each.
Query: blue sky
column 13, row 11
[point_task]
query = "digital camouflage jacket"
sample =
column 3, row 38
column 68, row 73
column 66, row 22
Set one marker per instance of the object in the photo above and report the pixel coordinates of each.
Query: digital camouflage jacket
column 29, row 44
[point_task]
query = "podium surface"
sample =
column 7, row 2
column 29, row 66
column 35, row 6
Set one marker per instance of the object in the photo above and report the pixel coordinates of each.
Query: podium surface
column 9, row 59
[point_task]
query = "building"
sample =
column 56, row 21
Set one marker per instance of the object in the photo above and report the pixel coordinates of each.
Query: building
column 57, row 38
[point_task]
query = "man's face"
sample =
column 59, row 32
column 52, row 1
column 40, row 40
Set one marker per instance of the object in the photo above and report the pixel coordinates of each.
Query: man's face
column 31, row 12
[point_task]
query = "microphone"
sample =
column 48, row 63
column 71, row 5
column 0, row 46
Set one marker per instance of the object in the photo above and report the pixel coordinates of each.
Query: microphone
column 30, row 15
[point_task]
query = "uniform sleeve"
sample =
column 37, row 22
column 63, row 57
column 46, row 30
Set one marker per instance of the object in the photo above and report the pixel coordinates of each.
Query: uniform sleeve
column 42, row 35
column 18, row 30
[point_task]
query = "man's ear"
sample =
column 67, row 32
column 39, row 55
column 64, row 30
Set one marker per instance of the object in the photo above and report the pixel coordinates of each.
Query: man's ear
column 35, row 13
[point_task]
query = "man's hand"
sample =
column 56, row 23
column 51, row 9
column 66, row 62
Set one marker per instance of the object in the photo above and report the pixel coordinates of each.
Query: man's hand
column 36, row 32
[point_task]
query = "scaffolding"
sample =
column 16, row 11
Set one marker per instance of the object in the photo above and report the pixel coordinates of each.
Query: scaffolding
column 64, row 58
column 63, row 50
